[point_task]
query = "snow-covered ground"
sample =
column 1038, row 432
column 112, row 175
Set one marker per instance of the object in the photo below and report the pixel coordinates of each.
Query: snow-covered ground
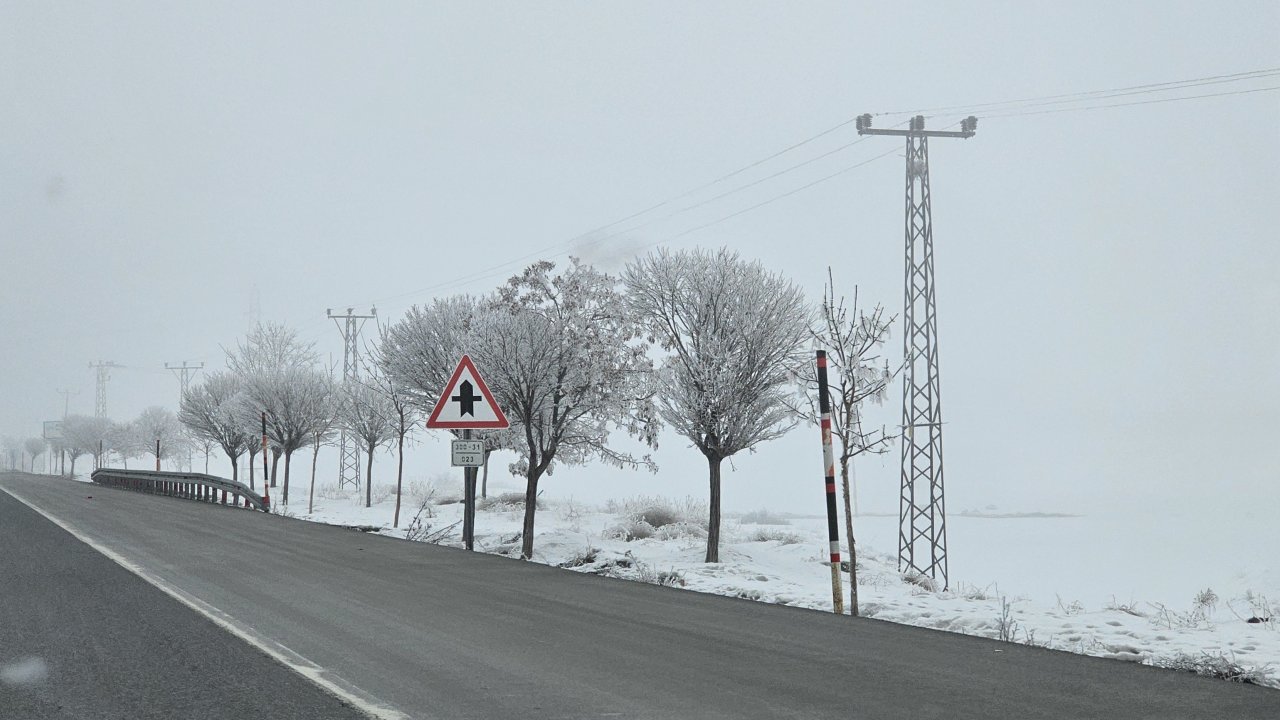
column 781, row 560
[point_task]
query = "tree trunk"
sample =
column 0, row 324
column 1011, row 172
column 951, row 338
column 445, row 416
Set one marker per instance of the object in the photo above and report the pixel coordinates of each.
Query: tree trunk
column 275, row 465
column 368, row 481
column 73, row 466
column 848, row 528
column 252, row 454
column 311, row 495
column 484, row 478
column 285, row 495
column 530, row 510
column 395, row 523
column 235, row 469
column 713, row 523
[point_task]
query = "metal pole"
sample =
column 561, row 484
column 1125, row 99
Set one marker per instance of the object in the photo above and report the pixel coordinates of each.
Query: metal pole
column 828, row 457
column 266, row 486
column 469, row 510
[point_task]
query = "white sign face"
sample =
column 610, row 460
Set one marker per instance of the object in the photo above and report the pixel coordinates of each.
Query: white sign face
column 468, row 453
column 52, row 429
column 466, row 403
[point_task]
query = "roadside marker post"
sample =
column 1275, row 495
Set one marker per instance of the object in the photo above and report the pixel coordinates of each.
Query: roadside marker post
column 833, row 522
column 266, row 484
column 461, row 408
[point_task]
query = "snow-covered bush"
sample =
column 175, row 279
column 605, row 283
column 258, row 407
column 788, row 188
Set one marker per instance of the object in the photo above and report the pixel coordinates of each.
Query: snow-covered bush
column 504, row 501
column 382, row 492
column 630, row 529
column 333, row 492
column 763, row 517
column 1215, row 665
column 782, row 537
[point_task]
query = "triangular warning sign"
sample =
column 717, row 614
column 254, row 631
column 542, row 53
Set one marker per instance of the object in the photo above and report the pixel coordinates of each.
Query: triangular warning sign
column 466, row 403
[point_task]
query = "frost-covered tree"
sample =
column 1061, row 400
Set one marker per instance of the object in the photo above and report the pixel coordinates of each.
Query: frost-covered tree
column 568, row 367
column 35, row 448
column 267, row 355
column 295, row 400
column 856, row 374
column 735, row 334
column 212, row 411
column 158, row 431
column 368, row 415
column 404, row 415
column 84, row 435
column 322, row 432
column 420, row 351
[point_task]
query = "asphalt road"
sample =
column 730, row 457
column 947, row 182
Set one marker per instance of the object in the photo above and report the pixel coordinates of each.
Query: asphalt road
column 81, row 637
column 440, row 633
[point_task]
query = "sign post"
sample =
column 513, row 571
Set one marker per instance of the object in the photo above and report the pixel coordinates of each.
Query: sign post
column 461, row 408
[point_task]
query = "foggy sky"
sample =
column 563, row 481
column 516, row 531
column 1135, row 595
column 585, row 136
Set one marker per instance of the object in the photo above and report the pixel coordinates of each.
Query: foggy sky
column 1107, row 280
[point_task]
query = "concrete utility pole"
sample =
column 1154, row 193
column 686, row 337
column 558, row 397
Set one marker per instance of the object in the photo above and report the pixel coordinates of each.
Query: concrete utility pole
column 104, row 374
column 348, row 450
column 183, row 373
column 922, row 516
column 66, row 401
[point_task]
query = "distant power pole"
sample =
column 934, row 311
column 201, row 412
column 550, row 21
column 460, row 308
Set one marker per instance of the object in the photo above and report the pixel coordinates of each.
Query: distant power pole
column 183, row 373
column 66, row 401
column 348, row 450
column 922, row 508
column 104, row 374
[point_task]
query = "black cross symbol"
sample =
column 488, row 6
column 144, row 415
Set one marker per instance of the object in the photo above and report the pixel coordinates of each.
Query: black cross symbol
column 465, row 399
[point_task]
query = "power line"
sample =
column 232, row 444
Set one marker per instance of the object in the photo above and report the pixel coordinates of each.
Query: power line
column 1093, row 94
column 1132, row 103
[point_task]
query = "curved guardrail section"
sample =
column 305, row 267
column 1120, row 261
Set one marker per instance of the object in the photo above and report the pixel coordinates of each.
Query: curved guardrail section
column 193, row 486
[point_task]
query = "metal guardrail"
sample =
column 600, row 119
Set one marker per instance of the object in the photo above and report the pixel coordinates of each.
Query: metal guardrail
column 194, row 486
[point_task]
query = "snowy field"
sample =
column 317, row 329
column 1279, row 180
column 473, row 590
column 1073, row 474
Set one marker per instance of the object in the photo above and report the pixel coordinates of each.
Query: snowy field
column 1058, row 582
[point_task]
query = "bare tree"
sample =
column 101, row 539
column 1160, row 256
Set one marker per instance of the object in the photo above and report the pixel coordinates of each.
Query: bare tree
column 857, row 374
column 35, row 448
column 211, row 410
column 368, row 414
column 735, row 333
column 567, row 366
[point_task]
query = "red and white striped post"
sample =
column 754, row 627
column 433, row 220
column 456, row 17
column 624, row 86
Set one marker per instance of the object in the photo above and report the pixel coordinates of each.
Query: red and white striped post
column 266, row 491
column 828, row 457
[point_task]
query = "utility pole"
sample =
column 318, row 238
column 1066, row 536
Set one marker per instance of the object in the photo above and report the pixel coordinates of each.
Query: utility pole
column 104, row 374
column 66, row 410
column 348, row 450
column 922, row 515
column 66, row 401
column 183, row 373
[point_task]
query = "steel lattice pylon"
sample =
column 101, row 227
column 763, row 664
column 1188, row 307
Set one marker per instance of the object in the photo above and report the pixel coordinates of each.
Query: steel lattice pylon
column 348, row 451
column 922, row 511
column 922, row 529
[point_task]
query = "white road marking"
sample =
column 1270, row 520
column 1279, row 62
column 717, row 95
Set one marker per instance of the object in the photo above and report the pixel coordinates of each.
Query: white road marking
column 274, row 650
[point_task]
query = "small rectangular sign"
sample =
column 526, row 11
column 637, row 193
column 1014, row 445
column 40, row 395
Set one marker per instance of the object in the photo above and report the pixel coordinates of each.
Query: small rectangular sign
column 52, row 429
column 468, row 453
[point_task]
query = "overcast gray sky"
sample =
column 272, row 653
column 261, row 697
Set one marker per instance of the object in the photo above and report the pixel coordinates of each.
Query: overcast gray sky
column 1107, row 280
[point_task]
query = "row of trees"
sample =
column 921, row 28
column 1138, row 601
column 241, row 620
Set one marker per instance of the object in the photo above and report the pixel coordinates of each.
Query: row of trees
column 155, row 432
column 714, row 347
column 20, row 454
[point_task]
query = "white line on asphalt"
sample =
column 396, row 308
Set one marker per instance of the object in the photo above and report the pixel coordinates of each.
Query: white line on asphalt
column 274, row 650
